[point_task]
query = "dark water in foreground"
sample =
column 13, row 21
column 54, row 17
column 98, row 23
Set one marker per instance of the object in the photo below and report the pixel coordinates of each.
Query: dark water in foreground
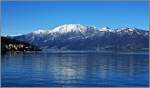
column 86, row 69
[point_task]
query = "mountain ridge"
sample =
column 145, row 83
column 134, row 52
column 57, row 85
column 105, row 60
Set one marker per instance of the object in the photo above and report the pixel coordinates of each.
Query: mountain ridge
column 81, row 37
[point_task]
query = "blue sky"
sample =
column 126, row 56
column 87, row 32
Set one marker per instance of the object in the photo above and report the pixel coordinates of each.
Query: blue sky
column 25, row 17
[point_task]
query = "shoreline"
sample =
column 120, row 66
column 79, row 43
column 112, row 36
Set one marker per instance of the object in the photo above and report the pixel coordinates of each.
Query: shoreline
column 80, row 52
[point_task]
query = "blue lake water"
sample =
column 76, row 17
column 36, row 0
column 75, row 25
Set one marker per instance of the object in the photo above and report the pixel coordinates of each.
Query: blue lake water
column 75, row 69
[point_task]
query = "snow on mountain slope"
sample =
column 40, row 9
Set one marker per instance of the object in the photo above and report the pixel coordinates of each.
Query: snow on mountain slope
column 78, row 28
column 69, row 28
column 73, row 31
column 105, row 29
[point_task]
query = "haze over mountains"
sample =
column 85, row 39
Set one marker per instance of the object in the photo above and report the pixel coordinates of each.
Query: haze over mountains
column 81, row 37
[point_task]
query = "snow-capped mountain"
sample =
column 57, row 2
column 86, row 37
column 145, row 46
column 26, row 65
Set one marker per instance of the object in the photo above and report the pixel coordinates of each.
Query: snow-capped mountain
column 81, row 37
column 69, row 28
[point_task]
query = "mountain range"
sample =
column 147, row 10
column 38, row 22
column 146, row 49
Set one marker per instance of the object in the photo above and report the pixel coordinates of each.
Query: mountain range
column 81, row 37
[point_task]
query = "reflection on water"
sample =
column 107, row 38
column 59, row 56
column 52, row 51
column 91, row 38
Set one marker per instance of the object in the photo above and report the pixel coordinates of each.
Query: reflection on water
column 46, row 69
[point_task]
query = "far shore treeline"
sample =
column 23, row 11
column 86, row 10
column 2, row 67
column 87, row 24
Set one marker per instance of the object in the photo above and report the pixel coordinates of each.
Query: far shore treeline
column 8, row 44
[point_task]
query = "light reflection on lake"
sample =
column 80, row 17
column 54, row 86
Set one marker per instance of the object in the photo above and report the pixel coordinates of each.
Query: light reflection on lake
column 86, row 69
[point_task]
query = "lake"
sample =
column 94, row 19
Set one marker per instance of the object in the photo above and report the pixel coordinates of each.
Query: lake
column 121, row 69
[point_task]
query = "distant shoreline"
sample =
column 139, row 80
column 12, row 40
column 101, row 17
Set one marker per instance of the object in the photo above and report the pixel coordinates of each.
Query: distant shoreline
column 79, row 52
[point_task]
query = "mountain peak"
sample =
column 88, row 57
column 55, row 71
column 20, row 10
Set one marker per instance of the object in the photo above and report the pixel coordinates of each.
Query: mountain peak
column 106, row 29
column 39, row 31
column 69, row 28
column 126, row 29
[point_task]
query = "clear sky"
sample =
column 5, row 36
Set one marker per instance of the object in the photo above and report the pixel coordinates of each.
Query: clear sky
column 25, row 17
